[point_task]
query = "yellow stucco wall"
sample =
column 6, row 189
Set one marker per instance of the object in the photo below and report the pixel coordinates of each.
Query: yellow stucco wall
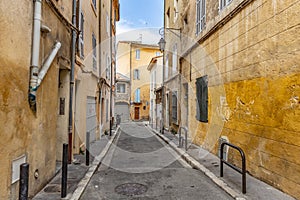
column 22, row 131
column 125, row 61
column 146, row 54
column 257, row 56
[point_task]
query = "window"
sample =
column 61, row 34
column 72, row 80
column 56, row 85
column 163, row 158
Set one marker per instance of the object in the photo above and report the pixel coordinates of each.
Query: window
column 168, row 18
column 202, row 99
column 200, row 18
column 94, row 42
column 174, row 59
column 137, row 54
column 137, row 98
column 174, row 106
column 223, row 4
column 175, row 10
column 157, row 53
column 81, row 42
column 107, row 67
column 136, row 74
column 107, row 24
column 107, row 110
column 167, row 66
column 95, row 4
column 120, row 88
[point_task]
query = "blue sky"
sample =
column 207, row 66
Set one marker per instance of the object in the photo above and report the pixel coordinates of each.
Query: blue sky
column 140, row 19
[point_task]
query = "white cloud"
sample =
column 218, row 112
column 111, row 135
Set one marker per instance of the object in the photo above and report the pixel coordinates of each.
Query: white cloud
column 142, row 21
column 145, row 35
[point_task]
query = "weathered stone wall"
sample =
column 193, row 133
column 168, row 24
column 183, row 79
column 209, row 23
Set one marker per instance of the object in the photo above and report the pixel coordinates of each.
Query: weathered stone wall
column 257, row 56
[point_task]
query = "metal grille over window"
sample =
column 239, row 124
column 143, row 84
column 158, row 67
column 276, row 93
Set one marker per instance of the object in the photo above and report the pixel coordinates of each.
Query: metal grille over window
column 200, row 15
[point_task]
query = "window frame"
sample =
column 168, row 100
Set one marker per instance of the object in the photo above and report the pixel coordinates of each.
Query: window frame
column 136, row 74
column 81, row 36
column 94, row 44
column 137, row 54
column 174, row 107
column 223, row 4
column 200, row 16
column 174, row 59
column 94, row 2
column 119, row 88
column 137, row 97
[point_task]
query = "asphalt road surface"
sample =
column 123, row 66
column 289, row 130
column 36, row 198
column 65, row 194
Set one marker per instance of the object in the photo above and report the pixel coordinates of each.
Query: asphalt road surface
column 140, row 166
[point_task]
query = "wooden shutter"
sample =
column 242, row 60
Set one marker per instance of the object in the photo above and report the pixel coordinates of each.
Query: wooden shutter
column 202, row 99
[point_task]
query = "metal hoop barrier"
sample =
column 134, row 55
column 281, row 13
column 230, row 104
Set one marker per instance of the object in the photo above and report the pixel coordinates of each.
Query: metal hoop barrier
column 241, row 171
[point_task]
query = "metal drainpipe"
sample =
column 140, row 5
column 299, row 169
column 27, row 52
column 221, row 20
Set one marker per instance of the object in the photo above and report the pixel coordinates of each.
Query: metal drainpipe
column 100, row 66
column 73, row 45
column 111, row 74
column 163, row 78
column 35, row 54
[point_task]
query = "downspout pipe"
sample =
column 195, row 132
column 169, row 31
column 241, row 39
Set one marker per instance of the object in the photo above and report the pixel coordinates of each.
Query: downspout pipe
column 73, row 46
column 47, row 63
column 35, row 54
column 111, row 70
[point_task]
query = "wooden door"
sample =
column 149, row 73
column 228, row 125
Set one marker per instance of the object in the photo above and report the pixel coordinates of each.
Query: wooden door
column 136, row 113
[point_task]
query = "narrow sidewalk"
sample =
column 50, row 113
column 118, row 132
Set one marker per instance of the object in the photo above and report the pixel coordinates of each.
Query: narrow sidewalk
column 78, row 173
column 208, row 163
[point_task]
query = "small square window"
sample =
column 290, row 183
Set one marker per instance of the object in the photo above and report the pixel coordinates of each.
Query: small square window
column 121, row 88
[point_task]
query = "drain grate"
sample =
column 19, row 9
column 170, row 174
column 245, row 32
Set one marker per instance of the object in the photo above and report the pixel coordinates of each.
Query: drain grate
column 130, row 189
column 52, row 189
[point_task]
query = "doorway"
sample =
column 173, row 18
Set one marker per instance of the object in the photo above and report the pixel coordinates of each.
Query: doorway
column 136, row 113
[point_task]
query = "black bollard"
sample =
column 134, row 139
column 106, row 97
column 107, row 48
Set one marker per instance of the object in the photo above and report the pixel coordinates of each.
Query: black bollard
column 64, row 173
column 24, row 176
column 87, row 151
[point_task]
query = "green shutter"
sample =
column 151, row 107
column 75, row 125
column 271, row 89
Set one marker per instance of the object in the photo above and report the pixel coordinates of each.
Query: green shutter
column 202, row 99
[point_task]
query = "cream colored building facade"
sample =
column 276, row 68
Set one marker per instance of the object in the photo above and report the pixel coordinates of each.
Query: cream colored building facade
column 156, row 70
column 172, row 34
column 245, row 54
column 36, row 135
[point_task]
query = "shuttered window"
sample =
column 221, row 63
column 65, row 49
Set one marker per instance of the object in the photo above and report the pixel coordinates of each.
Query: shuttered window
column 202, row 99
column 137, row 98
column 174, row 106
column 94, row 42
column 200, row 15
column 81, row 41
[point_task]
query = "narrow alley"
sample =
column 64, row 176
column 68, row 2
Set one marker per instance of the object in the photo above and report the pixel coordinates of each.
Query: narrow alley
column 141, row 166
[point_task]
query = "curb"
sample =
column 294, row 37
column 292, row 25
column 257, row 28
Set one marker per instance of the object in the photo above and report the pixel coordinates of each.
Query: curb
column 96, row 163
column 196, row 165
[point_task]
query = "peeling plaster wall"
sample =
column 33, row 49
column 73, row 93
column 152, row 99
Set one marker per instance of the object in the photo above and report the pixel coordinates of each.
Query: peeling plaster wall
column 257, row 56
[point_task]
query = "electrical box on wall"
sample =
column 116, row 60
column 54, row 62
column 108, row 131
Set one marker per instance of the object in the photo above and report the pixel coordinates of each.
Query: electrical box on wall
column 15, row 172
